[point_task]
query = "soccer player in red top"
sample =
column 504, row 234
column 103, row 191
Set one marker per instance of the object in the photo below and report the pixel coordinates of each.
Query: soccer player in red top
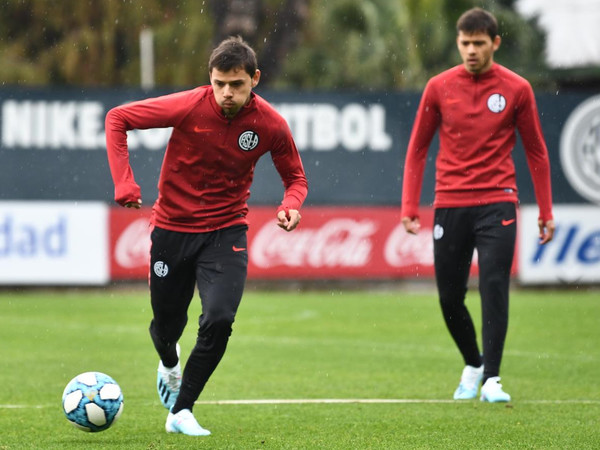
column 477, row 106
column 199, row 219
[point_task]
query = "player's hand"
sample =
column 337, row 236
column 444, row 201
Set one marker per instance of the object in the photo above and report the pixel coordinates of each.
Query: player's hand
column 546, row 230
column 411, row 225
column 136, row 205
column 288, row 223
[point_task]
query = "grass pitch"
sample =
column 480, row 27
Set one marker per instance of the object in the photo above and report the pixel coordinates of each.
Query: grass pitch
column 328, row 369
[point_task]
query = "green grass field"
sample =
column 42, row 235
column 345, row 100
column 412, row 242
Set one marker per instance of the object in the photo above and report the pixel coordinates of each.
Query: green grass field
column 293, row 346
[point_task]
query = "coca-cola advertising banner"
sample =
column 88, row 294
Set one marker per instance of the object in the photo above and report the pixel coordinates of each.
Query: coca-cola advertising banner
column 129, row 243
column 337, row 242
column 330, row 243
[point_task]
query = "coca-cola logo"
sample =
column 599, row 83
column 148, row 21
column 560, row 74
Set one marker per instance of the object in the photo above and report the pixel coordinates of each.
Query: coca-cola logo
column 403, row 249
column 132, row 248
column 336, row 243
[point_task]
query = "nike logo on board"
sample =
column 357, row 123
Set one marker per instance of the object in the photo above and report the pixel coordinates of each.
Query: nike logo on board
column 238, row 249
column 507, row 222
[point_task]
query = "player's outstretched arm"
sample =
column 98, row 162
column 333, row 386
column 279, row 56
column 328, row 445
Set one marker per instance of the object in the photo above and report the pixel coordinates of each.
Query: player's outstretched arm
column 288, row 222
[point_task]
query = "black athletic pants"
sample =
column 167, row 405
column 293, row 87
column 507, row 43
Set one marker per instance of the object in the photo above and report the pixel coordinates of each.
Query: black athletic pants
column 216, row 262
column 491, row 229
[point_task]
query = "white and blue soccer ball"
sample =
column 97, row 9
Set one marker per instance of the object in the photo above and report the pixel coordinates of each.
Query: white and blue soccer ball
column 92, row 401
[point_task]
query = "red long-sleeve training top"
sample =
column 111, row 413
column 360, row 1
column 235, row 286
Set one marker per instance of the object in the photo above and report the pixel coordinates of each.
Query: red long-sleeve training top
column 209, row 162
column 476, row 116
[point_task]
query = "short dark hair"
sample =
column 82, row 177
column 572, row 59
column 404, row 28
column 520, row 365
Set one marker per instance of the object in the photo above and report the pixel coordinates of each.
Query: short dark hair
column 477, row 20
column 233, row 53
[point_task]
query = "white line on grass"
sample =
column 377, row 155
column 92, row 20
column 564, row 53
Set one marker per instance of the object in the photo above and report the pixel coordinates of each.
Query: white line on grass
column 303, row 401
column 26, row 406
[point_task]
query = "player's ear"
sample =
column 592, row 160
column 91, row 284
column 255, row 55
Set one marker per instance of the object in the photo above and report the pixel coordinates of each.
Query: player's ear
column 255, row 78
column 496, row 42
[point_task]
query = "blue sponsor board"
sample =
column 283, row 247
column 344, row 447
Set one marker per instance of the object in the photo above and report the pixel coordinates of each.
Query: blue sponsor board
column 53, row 243
column 572, row 257
column 29, row 240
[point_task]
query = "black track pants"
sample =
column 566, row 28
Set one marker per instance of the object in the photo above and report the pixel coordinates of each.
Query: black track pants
column 215, row 262
column 491, row 229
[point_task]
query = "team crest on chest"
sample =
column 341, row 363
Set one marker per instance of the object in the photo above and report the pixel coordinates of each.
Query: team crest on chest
column 248, row 140
column 496, row 103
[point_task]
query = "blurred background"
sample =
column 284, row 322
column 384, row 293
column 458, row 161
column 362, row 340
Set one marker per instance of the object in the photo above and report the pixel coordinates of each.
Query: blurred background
column 302, row 44
column 347, row 76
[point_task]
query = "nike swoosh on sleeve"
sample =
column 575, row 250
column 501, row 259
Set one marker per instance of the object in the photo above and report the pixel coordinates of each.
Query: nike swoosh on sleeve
column 197, row 129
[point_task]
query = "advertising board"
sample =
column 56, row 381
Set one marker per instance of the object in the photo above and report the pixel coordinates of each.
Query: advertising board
column 330, row 243
column 572, row 257
column 53, row 243
column 129, row 243
column 352, row 146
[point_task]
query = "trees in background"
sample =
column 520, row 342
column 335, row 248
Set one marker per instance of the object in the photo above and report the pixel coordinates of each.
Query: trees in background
column 96, row 42
column 308, row 44
column 381, row 43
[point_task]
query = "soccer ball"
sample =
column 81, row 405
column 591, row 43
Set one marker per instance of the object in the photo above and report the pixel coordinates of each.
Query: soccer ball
column 92, row 401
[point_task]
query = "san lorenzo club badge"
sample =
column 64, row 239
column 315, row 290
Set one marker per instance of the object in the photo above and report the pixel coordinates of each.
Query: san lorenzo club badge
column 248, row 140
column 496, row 103
column 161, row 269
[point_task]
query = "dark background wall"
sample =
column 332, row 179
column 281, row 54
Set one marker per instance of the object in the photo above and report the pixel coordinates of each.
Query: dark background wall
column 52, row 146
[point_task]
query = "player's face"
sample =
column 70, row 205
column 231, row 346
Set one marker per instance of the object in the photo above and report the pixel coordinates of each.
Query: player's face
column 477, row 50
column 232, row 88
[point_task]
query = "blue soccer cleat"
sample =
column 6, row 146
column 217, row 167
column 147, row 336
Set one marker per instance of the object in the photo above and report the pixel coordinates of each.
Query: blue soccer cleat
column 469, row 383
column 492, row 391
column 184, row 422
column 168, row 382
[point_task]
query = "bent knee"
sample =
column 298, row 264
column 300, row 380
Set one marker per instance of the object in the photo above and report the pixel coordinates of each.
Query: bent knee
column 217, row 321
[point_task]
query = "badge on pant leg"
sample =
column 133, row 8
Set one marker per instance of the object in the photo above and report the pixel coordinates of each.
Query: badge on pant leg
column 161, row 269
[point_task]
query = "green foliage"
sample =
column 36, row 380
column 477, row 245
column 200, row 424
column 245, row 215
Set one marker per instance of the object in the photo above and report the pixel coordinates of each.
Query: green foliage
column 522, row 47
column 378, row 44
column 306, row 345
column 343, row 44
column 183, row 41
column 96, row 43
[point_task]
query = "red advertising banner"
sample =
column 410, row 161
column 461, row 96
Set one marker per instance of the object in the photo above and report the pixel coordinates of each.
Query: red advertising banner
column 129, row 243
column 330, row 243
column 339, row 242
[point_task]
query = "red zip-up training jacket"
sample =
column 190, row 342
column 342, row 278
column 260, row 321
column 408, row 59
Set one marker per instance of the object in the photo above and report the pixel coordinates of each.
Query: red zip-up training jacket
column 477, row 116
column 209, row 162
